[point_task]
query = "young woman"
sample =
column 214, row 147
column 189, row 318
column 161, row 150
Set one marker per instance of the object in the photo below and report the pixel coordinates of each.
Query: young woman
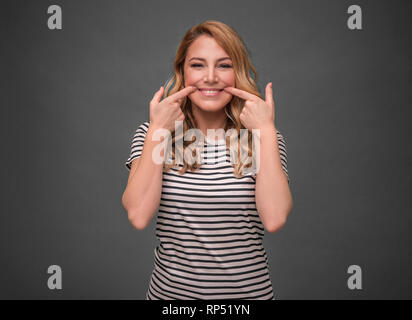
column 211, row 216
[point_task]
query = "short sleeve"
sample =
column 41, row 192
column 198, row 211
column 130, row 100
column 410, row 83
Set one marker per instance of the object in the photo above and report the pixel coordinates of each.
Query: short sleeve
column 136, row 147
column 283, row 154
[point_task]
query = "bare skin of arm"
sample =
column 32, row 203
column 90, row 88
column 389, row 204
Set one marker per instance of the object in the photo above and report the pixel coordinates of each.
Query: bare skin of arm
column 273, row 197
column 141, row 197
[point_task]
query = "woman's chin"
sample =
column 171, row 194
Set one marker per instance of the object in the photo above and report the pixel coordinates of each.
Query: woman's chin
column 210, row 106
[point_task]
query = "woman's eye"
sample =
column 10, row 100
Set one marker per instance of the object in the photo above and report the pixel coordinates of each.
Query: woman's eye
column 195, row 65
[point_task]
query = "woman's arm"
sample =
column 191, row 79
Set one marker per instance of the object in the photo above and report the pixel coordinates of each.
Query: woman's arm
column 141, row 197
column 273, row 196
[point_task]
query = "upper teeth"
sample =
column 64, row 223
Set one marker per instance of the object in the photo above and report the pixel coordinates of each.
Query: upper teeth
column 210, row 91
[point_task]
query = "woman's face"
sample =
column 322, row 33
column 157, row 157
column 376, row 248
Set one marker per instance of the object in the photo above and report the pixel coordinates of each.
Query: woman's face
column 208, row 66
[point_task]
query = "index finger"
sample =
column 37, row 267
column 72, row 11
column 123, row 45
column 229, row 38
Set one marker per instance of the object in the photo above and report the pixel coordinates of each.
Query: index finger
column 241, row 93
column 182, row 93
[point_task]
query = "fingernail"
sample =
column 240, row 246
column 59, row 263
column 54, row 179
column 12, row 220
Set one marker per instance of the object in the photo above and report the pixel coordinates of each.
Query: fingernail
column 271, row 84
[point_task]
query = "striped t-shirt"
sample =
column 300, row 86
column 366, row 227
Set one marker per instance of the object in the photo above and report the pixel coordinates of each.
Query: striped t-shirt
column 210, row 233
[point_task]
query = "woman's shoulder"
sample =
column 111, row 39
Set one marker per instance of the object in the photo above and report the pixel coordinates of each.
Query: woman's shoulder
column 280, row 136
column 143, row 126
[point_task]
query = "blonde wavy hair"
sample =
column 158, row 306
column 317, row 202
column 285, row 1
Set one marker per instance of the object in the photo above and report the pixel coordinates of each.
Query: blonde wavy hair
column 234, row 46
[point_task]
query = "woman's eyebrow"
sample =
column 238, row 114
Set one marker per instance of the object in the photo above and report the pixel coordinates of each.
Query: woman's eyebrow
column 224, row 58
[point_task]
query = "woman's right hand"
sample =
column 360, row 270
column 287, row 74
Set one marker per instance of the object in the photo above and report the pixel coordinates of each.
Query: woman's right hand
column 164, row 114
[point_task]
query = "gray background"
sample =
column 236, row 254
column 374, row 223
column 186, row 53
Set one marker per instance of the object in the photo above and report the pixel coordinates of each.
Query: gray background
column 74, row 98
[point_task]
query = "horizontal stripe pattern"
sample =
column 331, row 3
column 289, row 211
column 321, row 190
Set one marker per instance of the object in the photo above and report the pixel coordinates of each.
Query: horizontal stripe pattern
column 210, row 233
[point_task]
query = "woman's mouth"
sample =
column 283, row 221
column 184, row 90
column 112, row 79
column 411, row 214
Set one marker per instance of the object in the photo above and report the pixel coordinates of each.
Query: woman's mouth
column 210, row 92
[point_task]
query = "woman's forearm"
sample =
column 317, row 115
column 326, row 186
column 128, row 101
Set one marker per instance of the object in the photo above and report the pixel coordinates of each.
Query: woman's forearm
column 273, row 196
column 141, row 197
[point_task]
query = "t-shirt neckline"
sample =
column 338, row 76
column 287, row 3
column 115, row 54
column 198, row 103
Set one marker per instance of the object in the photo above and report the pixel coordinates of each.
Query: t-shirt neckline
column 210, row 141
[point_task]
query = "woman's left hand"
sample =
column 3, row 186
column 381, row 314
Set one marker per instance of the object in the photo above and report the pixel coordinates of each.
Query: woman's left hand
column 256, row 113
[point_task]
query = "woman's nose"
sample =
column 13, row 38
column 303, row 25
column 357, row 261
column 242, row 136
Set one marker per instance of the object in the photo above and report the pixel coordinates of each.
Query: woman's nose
column 211, row 75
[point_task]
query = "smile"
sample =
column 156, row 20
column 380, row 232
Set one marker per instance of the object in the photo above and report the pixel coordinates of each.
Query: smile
column 210, row 93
